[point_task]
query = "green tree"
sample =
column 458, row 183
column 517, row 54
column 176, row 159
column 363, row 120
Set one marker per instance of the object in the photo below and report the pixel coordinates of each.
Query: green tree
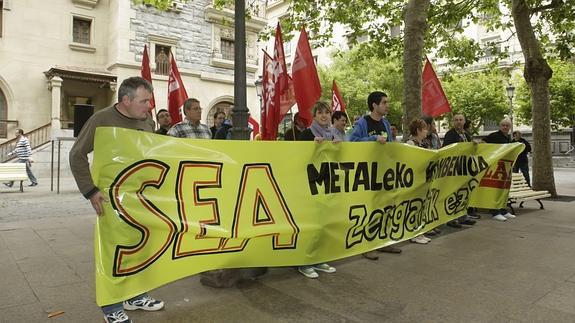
column 357, row 76
column 479, row 96
column 561, row 93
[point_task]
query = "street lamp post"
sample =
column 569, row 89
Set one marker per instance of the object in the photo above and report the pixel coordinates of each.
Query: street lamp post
column 510, row 93
column 240, row 111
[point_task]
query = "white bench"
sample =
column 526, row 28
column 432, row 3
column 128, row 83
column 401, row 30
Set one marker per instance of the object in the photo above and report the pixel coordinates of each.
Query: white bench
column 520, row 192
column 13, row 172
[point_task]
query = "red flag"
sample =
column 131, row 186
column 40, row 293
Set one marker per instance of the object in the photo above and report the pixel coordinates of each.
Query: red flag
column 267, row 96
column 337, row 103
column 255, row 126
column 306, row 81
column 176, row 92
column 278, row 95
column 147, row 74
column 433, row 99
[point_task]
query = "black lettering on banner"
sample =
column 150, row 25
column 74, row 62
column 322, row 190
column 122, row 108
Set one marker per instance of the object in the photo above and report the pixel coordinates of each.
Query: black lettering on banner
column 361, row 177
column 392, row 221
column 457, row 201
column 357, row 214
column 334, row 178
column 131, row 259
column 346, row 167
column 318, row 178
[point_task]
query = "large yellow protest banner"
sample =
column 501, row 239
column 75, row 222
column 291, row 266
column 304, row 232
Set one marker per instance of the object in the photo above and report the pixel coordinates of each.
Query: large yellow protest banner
column 178, row 207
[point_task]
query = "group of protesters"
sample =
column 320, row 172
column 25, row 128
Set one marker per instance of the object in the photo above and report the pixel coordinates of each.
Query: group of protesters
column 132, row 112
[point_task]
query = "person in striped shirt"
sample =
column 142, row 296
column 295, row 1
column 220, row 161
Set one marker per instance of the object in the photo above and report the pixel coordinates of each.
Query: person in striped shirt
column 23, row 152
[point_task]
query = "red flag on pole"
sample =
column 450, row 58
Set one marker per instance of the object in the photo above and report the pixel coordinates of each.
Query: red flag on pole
column 278, row 95
column 337, row 103
column 255, row 126
column 176, row 92
column 306, row 81
column 147, row 74
column 267, row 96
column 433, row 99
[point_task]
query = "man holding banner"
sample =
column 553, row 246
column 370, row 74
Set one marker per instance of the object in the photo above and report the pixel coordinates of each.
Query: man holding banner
column 375, row 127
column 130, row 112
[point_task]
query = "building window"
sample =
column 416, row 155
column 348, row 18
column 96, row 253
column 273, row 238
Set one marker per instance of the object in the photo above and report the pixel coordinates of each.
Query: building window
column 81, row 30
column 227, row 49
column 162, row 60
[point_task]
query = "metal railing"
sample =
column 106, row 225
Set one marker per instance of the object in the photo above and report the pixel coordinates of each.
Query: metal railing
column 38, row 137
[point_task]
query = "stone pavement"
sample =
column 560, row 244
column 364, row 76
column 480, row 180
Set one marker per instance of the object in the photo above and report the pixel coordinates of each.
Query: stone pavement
column 522, row 270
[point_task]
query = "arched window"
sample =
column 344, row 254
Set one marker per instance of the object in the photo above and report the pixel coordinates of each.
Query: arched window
column 3, row 115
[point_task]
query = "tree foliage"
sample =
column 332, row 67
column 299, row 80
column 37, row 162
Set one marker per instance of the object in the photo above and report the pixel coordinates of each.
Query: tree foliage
column 562, row 96
column 357, row 76
column 479, row 96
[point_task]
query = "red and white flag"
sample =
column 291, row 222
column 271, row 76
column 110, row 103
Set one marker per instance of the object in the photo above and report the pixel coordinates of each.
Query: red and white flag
column 147, row 73
column 307, row 87
column 278, row 95
column 433, row 99
column 337, row 103
column 254, row 125
column 267, row 96
column 176, row 92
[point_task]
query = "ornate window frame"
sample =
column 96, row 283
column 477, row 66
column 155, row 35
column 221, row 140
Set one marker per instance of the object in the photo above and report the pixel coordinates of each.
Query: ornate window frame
column 222, row 21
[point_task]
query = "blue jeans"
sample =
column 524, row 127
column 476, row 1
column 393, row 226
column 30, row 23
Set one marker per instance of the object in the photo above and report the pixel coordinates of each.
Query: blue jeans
column 112, row 308
column 31, row 176
column 524, row 168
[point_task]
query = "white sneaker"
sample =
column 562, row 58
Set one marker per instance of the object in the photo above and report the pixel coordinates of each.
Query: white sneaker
column 509, row 215
column 499, row 217
column 145, row 303
column 421, row 239
column 325, row 268
column 309, row 272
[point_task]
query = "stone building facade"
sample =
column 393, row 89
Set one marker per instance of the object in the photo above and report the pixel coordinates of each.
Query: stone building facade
column 55, row 54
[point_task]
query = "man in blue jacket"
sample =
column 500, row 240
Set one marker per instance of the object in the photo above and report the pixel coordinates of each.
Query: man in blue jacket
column 375, row 127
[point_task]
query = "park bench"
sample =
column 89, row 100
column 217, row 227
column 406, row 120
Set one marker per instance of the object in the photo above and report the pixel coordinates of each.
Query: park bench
column 13, row 172
column 520, row 192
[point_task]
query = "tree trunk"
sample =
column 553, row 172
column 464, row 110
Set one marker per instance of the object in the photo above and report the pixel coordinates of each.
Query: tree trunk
column 415, row 27
column 537, row 74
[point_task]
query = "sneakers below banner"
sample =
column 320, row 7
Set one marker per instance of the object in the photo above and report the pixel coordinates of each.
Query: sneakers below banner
column 309, row 272
column 421, row 239
column 117, row 317
column 509, row 215
column 499, row 217
column 145, row 303
column 324, row 268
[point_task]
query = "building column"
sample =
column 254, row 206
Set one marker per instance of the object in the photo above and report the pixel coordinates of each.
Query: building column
column 55, row 85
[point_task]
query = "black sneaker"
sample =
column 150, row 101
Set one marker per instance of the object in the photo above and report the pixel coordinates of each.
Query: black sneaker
column 454, row 224
column 8, row 184
column 117, row 317
column 474, row 216
column 468, row 222
column 33, row 184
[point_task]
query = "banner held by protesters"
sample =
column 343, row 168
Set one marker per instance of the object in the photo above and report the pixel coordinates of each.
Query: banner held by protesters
column 224, row 204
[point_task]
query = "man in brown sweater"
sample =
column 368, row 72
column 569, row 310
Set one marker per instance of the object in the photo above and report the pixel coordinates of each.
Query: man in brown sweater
column 130, row 112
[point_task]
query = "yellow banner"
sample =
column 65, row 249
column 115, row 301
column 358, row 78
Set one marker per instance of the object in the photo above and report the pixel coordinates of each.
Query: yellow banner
column 178, row 207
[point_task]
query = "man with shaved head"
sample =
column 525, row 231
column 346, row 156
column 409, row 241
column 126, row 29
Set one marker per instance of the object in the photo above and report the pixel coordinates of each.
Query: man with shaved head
column 501, row 136
column 455, row 135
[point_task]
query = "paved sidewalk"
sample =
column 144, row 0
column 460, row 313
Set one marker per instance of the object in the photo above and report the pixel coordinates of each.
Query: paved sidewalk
column 522, row 270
